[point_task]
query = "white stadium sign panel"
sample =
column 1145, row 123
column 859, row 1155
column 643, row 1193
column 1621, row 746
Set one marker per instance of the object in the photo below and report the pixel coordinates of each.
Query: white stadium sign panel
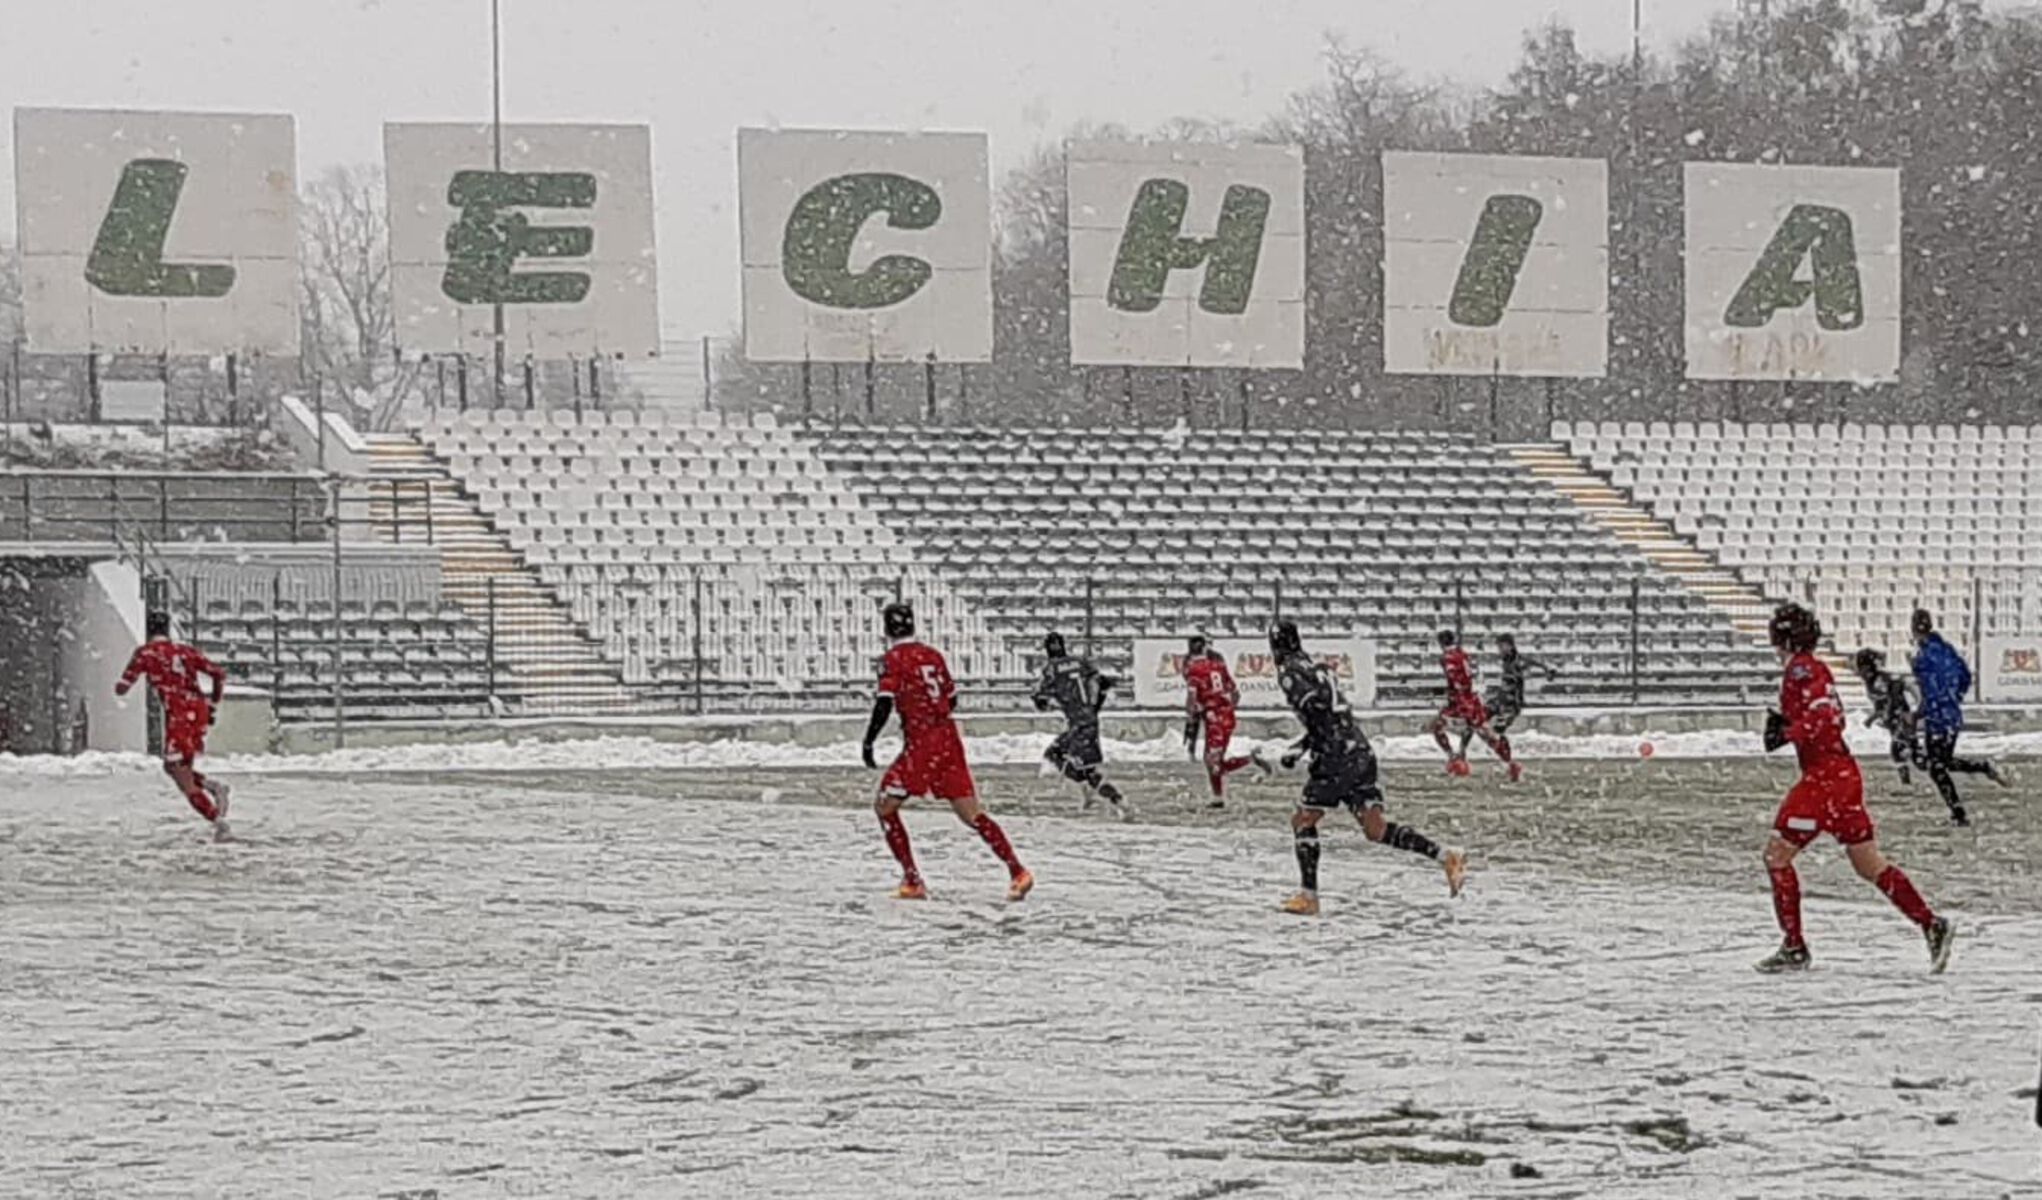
column 561, row 239
column 865, row 246
column 1187, row 254
column 1793, row 273
column 1159, row 669
column 177, row 233
column 2010, row 670
column 1495, row 265
column 157, row 232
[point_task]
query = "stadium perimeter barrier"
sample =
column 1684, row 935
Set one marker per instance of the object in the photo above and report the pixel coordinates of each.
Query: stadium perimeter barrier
column 304, row 599
column 699, row 639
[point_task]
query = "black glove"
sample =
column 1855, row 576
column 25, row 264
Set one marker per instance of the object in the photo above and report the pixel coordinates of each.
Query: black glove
column 1191, row 737
column 1290, row 761
column 870, row 762
column 1775, row 731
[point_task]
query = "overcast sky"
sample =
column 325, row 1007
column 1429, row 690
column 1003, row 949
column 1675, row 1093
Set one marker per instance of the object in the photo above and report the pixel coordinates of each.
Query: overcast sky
column 1019, row 70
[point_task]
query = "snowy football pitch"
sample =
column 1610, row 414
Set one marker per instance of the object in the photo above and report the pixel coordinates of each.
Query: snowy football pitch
column 681, row 984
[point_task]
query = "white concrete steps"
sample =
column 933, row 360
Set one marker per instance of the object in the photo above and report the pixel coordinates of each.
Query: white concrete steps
column 551, row 661
column 1656, row 541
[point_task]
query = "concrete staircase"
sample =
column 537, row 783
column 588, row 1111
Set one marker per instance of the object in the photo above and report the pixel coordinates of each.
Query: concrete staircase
column 1747, row 609
column 673, row 382
column 545, row 662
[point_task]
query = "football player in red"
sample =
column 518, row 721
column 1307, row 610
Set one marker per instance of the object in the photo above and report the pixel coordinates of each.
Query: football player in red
column 174, row 670
column 1466, row 708
column 915, row 679
column 1830, row 798
column 1211, row 700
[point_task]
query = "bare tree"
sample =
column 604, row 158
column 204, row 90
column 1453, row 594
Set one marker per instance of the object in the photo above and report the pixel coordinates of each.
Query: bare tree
column 349, row 332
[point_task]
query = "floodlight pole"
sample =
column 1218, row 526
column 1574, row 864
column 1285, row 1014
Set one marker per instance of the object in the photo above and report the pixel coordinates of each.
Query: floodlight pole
column 496, row 164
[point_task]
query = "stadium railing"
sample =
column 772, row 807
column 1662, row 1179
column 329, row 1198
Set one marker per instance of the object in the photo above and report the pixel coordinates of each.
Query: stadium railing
column 96, row 506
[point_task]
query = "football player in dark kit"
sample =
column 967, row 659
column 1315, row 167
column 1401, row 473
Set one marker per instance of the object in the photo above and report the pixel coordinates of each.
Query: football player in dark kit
column 1893, row 711
column 1505, row 701
column 1071, row 684
column 1343, row 772
column 1944, row 677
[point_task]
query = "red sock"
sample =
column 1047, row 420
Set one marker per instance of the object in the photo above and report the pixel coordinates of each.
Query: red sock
column 1235, row 764
column 1503, row 748
column 897, row 841
column 1900, row 889
column 996, row 838
column 201, row 802
column 1787, row 902
column 1218, row 778
column 1439, row 735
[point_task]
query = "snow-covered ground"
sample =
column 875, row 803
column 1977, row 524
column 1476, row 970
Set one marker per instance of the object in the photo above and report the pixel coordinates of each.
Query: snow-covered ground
column 479, row 989
column 523, row 754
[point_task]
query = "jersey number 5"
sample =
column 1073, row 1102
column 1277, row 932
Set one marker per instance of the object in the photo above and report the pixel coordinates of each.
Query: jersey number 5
column 931, row 682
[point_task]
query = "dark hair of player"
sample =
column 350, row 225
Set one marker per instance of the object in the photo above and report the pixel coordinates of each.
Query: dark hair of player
column 1053, row 644
column 1922, row 623
column 1446, row 638
column 1794, row 629
column 157, row 624
column 899, row 619
column 1868, row 661
column 1284, row 639
column 1198, row 644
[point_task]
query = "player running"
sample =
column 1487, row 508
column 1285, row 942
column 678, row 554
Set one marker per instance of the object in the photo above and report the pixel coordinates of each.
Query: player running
column 1944, row 678
column 1505, row 701
column 1210, row 700
column 174, row 670
column 1830, row 798
column 1893, row 711
column 1343, row 773
column 1071, row 683
column 914, row 678
column 1464, row 707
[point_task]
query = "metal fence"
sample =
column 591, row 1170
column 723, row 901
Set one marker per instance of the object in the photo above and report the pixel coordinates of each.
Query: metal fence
column 645, row 639
column 343, row 635
column 102, row 506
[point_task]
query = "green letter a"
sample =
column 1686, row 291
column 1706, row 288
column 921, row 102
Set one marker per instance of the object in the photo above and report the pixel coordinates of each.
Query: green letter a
column 1154, row 245
column 1822, row 235
column 127, row 256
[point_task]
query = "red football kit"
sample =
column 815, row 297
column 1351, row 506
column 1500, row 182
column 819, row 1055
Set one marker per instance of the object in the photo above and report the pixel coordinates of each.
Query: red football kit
column 173, row 670
column 1214, row 698
column 931, row 762
column 1462, row 704
column 1830, row 797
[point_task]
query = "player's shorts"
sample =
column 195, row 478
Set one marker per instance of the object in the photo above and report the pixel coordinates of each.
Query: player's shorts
column 933, row 767
column 1077, row 746
column 1350, row 785
column 1829, row 799
column 184, row 733
column 1219, row 733
column 1468, row 710
column 1503, row 711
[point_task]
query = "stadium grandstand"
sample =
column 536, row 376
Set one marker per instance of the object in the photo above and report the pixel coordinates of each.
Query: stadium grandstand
column 673, row 559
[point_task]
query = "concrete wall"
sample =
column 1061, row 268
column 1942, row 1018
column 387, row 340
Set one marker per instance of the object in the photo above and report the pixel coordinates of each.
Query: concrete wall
column 246, row 722
column 66, row 629
column 101, row 620
column 346, row 453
